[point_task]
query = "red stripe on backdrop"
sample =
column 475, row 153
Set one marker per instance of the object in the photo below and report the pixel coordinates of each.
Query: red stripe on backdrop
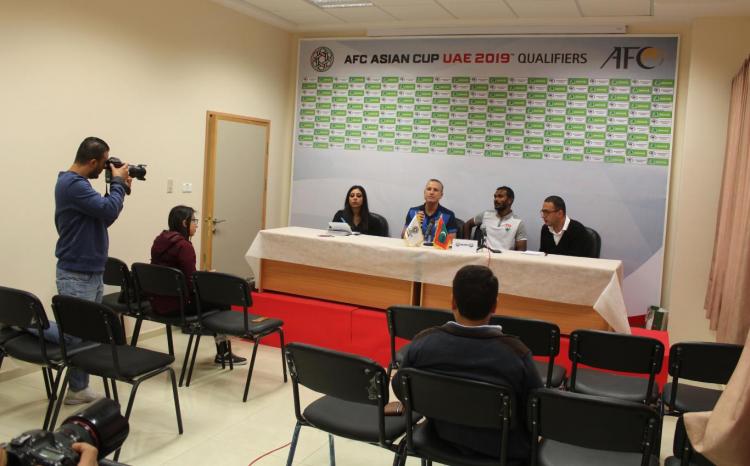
column 364, row 331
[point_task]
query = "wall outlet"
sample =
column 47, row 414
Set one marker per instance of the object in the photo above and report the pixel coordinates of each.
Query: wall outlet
column 187, row 187
column 170, row 185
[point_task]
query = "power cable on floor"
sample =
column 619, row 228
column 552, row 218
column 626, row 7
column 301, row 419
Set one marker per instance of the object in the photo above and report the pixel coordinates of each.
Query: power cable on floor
column 268, row 453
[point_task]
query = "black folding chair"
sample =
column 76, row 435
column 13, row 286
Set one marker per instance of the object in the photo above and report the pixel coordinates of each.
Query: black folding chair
column 160, row 281
column 355, row 392
column 701, row 362
column 586, row 430
column 222, row 291
column 23, row 310
column 542, row 338
column 464, row 402
column 123, row 302
column 683, row 451
column 616, row 352
column 113, row 358
column 406, row 322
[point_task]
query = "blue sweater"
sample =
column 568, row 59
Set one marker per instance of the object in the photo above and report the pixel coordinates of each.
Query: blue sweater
column 82, row 216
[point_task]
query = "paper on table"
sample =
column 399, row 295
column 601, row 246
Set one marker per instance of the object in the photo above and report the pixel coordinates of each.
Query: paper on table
column 533, row 253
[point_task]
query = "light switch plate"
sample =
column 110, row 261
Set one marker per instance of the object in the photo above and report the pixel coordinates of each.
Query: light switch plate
column 187, row 187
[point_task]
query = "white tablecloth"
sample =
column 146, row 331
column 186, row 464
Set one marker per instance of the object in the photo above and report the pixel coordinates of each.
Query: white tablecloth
column 564, row 279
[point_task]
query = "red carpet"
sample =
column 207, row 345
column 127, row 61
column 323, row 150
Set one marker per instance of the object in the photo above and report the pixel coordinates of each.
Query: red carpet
column 364, row 331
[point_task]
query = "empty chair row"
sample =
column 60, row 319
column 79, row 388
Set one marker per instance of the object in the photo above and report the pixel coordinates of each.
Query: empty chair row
column 699, row 361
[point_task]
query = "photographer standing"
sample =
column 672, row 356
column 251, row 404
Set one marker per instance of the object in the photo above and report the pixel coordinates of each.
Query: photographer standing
column 82, row 217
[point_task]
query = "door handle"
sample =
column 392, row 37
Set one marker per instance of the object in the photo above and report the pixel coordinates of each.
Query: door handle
column 214, row 222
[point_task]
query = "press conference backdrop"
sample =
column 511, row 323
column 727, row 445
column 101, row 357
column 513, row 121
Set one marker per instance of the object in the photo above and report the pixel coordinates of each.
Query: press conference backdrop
column 586, row 118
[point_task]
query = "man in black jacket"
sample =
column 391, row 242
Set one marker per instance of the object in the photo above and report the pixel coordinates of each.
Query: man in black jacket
column 561, row 234
column 473, row 349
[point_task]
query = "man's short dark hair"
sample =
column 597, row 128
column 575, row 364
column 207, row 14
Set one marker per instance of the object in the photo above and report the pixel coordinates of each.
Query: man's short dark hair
column 557, row 201
column 91, row 148
column 508, row 191
column 436, row 181
column 475, row 290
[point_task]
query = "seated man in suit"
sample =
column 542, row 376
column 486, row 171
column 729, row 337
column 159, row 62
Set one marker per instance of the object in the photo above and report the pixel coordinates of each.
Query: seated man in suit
column 560, row 233
column 502, row 229
column 429, row 212
column 472, row 349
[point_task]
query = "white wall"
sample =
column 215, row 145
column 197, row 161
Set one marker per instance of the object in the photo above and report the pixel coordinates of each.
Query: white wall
column 140, row 74
column 717, row 48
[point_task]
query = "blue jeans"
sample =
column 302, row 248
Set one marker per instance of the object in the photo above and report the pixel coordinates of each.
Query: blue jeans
column 89, row 286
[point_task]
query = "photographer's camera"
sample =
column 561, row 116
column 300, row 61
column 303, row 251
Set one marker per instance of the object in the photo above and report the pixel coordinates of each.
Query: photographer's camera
column 100, row 425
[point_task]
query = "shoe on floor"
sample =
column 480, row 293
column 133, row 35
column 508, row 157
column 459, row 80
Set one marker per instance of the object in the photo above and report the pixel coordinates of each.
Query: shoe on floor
column 236, row 360
column 87, row 395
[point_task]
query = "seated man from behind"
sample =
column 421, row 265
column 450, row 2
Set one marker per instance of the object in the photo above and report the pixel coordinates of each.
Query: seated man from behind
column 560, row 233
column 472, row 349
column 502, row 229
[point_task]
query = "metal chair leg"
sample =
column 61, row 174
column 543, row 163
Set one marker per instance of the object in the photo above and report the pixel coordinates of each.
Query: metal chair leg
column 106, row 388
column 136, row 331
column 55, row 381
column 331, row 451
column 192, row 360
column 170, row 344
column 133, row 391
column 283, row 361
column 229, row 354
column 60, row 397
column 293, row 447
column 47, row 385
column 114, row 392
column 250, row 371
column 176, row 400
column 187, row 356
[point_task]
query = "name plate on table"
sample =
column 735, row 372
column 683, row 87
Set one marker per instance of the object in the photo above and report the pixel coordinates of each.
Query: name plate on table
column 465, row 245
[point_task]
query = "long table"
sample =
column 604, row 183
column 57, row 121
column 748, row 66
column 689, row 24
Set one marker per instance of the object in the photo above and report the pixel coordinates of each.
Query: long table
column 370, row 271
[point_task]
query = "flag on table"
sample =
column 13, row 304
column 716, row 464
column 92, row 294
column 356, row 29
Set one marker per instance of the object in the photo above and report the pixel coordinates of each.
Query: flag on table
column 441, row 235
column 413, row 232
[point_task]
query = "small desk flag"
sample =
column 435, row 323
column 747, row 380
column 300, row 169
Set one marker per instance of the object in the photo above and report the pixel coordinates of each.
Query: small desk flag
column 441, row 240
column 413, row 233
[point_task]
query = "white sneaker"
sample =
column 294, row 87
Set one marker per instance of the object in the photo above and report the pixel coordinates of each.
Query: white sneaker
column 87, row 395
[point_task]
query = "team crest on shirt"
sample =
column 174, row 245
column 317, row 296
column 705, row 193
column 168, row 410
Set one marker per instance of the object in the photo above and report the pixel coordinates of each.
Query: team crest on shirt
column 507, row 226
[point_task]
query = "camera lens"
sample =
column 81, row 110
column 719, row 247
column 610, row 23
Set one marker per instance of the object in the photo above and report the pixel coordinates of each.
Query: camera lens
column 137, row 172
column 100, row 424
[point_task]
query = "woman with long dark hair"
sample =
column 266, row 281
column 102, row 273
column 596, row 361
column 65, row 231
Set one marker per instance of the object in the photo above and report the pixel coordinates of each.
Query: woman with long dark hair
column 357, row 214
column 172, row 248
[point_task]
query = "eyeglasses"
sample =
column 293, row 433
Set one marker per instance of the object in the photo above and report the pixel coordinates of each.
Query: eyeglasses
column 194, row 221
column 547, row 212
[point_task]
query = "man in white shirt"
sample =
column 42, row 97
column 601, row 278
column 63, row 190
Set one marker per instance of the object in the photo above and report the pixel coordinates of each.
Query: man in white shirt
column 561, row 234
column 501, row 227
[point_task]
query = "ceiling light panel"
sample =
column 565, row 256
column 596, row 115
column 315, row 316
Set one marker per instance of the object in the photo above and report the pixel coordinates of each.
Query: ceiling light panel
column 483, row 9
column 341, row 3
column 364, row 14
column 545, row 8
column 418, row 12
column 602, row 8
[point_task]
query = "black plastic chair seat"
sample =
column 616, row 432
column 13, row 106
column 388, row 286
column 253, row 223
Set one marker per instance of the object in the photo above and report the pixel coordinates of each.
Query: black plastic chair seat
column 133, row 361
column 691, row 398
column 558, row 373
column 113, row 302
column 233, row 323
column 356, row 421
column 623, row 387
column 428, row 444
column 26, row 347
column 552, row 453
column 7, row 333
column 174, row 320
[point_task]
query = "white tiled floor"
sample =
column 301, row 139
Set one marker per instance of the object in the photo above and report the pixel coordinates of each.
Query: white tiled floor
column 219, row 428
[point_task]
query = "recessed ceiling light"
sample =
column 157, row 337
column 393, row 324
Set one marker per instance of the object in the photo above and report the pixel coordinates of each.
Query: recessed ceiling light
column 340, row 3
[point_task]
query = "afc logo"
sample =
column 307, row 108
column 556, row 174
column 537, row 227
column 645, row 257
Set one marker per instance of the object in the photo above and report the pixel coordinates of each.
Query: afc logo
column 645, row 57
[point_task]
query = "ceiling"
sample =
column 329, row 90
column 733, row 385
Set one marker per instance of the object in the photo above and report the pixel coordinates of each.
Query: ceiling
column 301, row 16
